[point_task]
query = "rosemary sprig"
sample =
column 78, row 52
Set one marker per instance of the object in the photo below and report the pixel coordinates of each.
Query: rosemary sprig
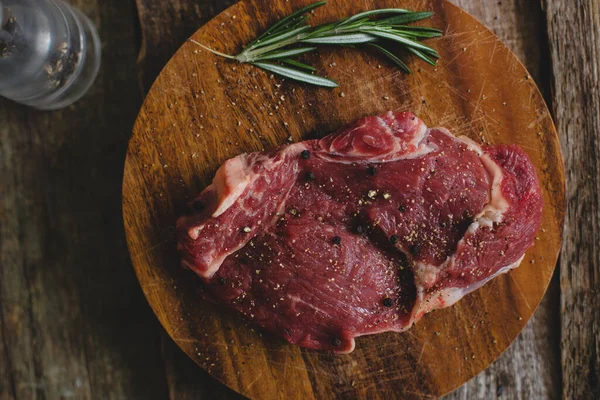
column 292, row 36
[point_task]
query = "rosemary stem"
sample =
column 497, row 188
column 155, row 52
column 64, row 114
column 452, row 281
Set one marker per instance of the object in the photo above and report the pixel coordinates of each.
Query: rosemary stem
column 212, row 50
column 252, row 55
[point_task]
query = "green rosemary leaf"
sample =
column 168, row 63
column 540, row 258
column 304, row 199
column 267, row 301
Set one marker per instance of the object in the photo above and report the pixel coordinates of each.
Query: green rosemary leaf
column 422, row 56
column 322, row 28
column 374, row 12
column 417, row 28
column 431, row 52
column 418, row 34
column 407, row 18
column 298, row 64
column 292, row 24
column 349, row 38
column 280, row 37
column 292, row 16
column 392, row 57
column 285, row 53
column 354, row 25
column 284, row 40
column 296, row 24
column 390, row 35
column 296, row 75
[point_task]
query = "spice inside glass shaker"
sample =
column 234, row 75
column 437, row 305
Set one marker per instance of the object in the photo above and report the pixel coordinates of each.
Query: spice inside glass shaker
column 49, row 53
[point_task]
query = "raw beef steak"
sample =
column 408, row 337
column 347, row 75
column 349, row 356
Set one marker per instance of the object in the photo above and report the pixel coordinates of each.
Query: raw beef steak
column 361, row 232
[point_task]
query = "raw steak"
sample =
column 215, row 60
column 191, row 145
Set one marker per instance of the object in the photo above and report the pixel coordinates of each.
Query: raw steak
column 361, row 232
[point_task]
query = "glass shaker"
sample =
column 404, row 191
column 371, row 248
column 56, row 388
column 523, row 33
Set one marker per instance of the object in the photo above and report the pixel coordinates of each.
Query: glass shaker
column 49, row 53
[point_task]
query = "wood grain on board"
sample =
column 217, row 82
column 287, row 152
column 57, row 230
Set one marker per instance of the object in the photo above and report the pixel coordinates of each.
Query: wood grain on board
column 189, row 125
column 164, row 26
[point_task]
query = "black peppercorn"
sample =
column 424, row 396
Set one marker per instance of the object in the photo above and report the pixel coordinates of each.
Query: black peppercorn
column 372, row 171
column 401, row 208
column 305, row 154
column 394, row 239
column 388, row 302
column 415, row 249
column 359, row 229
column 310, row 176
column 222, row 281
column 336, row 342
column 336, row 240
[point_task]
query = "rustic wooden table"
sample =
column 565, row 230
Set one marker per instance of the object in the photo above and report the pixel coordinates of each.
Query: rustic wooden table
column 73, row 321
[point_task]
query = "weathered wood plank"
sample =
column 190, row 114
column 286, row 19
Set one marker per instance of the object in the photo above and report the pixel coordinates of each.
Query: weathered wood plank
column 530, row 367
column 73, row 322
column 574, row 32
column 7, row 390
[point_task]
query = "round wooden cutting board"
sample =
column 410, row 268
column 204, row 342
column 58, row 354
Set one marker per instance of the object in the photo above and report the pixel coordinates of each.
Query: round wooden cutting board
column 204, row 109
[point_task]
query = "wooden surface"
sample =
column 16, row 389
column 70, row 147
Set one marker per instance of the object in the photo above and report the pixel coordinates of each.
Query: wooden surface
column 73, row 321
column 203, row 110
column 47, row 161
column 576, row 106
